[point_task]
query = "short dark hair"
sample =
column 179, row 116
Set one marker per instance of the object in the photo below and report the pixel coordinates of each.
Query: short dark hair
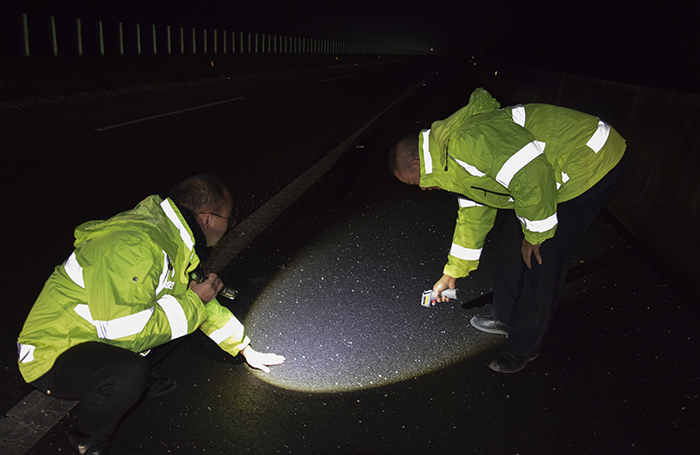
column 201, row 192
column 402, row 153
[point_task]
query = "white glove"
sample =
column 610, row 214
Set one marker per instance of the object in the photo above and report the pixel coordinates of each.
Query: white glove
column 261, row 360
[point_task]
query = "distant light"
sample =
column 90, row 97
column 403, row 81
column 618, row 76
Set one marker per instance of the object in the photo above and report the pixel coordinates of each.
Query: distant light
column 431, row 49
column 212, row 63
column 496, row 73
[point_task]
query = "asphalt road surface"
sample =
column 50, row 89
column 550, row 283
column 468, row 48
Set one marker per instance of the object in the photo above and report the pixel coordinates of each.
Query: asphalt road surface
column 330, row 261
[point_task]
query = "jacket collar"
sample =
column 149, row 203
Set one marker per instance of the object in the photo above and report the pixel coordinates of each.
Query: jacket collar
column 200, row 240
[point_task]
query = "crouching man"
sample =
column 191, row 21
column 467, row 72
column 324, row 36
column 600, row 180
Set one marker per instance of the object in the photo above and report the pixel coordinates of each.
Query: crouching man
column 105, row 315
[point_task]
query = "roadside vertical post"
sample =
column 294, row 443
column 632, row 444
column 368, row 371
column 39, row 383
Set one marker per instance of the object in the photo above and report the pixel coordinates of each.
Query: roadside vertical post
column 194, row 41
column 138, row 39
column 101, row 37
column 153, row 33
column 121, row 39
column 79, row 37
column 25, row 32
column 54, row 39
column 167, row 34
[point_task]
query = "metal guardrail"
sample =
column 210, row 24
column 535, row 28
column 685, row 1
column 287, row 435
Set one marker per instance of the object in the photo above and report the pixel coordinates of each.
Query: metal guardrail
column 118, row 38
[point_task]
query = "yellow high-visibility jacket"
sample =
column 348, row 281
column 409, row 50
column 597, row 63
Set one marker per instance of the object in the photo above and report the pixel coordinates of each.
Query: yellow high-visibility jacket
column 525, row 157
column 126, row 284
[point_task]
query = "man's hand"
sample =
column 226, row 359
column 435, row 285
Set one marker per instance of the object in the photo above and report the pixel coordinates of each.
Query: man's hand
column 261, row 360
column 207, row 290
column 527, row 250
column 446, row 282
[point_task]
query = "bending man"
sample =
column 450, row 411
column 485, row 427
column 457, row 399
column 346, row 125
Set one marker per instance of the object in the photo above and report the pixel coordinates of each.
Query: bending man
column 547, row 171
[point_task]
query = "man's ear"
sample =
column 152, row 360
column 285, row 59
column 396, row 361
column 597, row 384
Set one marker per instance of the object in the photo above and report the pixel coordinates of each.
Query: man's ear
column 415, row 163
column 204, row 219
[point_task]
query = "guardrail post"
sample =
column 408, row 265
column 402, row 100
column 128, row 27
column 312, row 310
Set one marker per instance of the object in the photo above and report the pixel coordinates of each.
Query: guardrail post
column 100, row 38
column 54, row 39
column 194, row 41
column 155, row 45
column 224, row 37
column 121, row 39
column 167, row 34
column 79, row 37
column 138, row 39
column 215, row 41
column 182, row 41
column 25, row 32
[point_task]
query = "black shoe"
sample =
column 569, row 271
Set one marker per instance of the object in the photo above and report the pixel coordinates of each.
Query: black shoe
column 490, row 325
column 159, row 386
column 509, row 361
column 103, row 448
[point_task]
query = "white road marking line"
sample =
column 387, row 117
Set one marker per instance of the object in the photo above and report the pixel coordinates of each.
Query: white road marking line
column 336, row 78
column 29, row 420
column 166, row 114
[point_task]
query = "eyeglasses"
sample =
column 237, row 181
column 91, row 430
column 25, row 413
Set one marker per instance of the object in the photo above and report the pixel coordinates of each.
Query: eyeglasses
column 230, row 220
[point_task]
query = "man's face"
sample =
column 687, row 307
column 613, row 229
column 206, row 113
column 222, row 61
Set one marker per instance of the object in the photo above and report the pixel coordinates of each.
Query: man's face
column 412, row 176
column 216, row 224
column 409, row 178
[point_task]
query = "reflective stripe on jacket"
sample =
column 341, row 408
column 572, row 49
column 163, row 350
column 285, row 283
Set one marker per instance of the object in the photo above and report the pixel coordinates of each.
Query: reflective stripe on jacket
column 126, row 284
column 527, row 158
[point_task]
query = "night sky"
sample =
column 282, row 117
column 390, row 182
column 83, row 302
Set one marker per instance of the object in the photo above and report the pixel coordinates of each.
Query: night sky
column 653, row 43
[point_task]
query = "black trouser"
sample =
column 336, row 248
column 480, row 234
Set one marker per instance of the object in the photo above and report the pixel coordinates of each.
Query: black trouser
column 526, row 299
column 106, row 379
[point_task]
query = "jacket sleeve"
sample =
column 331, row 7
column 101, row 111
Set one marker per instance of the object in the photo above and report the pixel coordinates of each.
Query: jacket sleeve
column 474, row 221
column 124, row 275
column 224, row 329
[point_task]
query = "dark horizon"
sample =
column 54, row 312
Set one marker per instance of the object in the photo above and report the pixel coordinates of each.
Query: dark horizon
column 644, row 45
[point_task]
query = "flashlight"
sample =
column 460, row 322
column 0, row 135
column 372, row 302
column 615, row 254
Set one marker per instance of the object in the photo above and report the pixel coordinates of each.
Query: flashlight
column 225, row 291
column 429, row 296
